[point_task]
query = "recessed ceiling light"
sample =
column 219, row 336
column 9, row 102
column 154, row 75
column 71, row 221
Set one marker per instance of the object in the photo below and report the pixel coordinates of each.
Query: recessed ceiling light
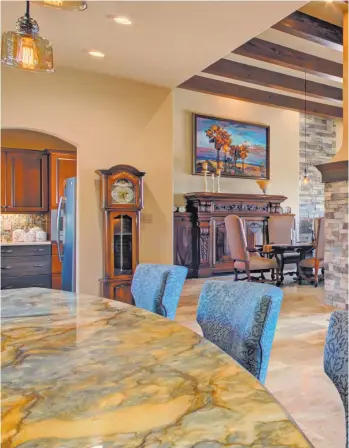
column 96, row 54
column 122, row 20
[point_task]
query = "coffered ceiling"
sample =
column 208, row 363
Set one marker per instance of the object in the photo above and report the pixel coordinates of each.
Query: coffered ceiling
column 167, row 43
column 271, row 68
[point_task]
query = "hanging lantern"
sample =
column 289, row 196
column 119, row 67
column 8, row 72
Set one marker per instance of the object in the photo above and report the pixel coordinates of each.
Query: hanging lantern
column 305, row 178
column 25, row 49
column 61, row 4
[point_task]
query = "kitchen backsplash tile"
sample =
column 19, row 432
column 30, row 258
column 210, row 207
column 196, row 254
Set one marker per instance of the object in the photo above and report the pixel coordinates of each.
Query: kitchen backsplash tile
column 11, row 222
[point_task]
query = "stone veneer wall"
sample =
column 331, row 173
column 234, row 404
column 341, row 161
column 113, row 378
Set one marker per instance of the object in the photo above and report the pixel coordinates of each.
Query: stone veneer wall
column 321, row 146
column 336, row 249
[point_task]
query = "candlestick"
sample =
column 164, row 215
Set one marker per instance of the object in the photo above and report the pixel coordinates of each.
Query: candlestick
column 218, row 181
column 205, row 181
column 213, row 185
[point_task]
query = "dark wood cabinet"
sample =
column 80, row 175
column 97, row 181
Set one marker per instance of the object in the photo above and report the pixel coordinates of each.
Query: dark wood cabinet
column 25, row 266
column 200, row 240
column 62, row 166
column 24, row 186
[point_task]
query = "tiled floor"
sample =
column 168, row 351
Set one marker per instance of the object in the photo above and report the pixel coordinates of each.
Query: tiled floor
column 295, row 376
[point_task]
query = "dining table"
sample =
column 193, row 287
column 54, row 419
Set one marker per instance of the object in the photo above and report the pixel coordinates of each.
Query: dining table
column 79, row 371
column 300, row 251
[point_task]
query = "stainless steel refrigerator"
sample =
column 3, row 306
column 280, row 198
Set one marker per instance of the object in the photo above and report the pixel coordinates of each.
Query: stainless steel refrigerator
column 66, row 234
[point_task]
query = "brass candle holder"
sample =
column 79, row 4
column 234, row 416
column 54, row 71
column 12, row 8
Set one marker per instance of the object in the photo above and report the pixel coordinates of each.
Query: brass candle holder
column 205, row 171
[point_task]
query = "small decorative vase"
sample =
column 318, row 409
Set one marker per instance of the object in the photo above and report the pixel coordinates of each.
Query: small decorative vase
column 263, row 185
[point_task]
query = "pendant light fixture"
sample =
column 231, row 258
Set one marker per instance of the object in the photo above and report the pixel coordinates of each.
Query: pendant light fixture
column 24, row 48
column 61, row 4
column 305, row 177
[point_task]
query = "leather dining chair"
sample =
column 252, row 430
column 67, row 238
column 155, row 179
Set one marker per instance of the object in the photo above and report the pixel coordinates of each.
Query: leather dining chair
column 240, row 318
column 157, row 288
column 336, row 357
column 279, row 232
column 317, row 262
column 240, row 253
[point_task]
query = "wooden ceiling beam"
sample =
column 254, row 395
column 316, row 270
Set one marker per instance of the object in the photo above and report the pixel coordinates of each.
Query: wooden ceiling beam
column 263, row 50
column 255, row 75
column 313, row 29
column 238, row 92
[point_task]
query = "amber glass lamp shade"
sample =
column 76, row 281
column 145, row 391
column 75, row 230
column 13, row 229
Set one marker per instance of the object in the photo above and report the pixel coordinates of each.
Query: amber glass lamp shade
column 63, row 4
column 33, row 53
column 25, row 49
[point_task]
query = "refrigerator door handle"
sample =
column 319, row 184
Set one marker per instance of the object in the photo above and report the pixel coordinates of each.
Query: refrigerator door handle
column 60, row 207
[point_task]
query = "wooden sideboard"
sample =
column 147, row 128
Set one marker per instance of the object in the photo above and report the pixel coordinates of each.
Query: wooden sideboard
column 200, row 241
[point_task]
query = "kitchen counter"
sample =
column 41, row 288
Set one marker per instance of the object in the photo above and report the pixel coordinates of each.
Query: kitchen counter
column 25, row 243
column 80, row 371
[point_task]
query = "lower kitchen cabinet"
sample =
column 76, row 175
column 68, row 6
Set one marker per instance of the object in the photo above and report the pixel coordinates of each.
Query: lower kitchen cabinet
column 56, row 269
column 26, row 266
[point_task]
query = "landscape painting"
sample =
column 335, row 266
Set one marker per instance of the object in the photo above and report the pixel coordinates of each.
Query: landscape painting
column 234, row 148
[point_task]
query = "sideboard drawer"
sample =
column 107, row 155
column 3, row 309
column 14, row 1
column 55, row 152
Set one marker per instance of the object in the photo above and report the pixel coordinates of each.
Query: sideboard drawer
column 24, row 251
column 39, row 281
column 18, row 266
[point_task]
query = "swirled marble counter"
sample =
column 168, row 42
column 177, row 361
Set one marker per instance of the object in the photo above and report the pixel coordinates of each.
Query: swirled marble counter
column 82, row 372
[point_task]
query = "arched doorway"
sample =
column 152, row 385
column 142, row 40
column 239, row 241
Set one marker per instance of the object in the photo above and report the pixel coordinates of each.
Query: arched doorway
column 20, row 149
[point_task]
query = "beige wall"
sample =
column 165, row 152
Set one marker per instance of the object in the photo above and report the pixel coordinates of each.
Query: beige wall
column 111, row 121
column 284, row 144
column 24, row 139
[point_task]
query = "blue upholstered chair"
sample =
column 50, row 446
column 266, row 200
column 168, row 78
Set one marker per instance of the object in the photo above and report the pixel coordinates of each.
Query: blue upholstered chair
column 241, row 318
column 157, row 287
column 336, row 357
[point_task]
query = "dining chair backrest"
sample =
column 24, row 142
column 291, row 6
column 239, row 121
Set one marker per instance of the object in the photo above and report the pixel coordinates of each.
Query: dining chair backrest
column 240, row 318
column 320, row 238
column 279, row 229
column 236, row 238
column 157, row 287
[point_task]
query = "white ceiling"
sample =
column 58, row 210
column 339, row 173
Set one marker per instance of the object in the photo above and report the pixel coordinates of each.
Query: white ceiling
column 167, row 43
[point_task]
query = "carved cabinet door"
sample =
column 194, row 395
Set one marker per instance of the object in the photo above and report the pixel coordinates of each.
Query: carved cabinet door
column 220, row 250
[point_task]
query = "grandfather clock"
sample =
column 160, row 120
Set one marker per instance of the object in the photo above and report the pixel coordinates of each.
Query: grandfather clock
column 121, row 199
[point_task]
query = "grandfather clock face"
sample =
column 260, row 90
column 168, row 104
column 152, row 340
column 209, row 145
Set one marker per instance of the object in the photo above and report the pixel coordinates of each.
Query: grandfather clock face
column 123, row 192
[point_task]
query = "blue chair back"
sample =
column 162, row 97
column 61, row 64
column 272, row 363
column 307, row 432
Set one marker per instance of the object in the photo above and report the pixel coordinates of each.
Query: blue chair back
column 157, row 287
column 336, row 357
column 241, row 318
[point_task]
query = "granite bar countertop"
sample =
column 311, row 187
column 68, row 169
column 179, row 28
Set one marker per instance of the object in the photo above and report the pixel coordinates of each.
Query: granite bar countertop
column 25, row 243
column 80, row 372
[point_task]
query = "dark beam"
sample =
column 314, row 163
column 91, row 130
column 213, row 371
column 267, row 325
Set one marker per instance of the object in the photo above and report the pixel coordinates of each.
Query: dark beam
column 313, row 29
column 286, row 57
column 275, row 80
column 229, row 90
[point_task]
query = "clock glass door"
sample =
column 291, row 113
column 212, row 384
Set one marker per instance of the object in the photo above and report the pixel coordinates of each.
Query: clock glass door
column 122, row 245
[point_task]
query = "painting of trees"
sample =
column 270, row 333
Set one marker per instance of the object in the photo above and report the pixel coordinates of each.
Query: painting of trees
column 236, row 148
column 243, row 155
column 220, row 137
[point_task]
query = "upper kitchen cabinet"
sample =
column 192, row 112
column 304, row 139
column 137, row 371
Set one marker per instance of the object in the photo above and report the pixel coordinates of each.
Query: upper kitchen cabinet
column 62, row 166
column 24, row 183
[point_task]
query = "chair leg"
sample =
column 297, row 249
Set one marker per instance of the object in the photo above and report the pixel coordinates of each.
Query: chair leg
column 236, row 277
column 316, row 273
column 273, row 274
column 278, row 280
